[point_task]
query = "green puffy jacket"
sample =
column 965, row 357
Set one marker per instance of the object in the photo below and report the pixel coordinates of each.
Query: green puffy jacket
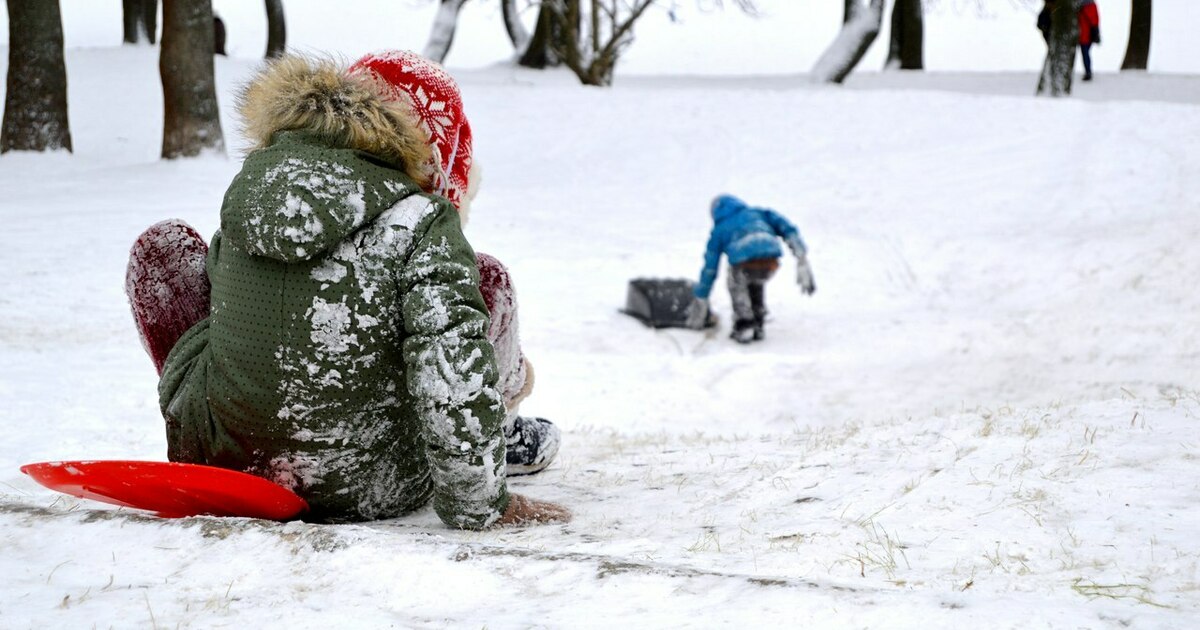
column 345, row 355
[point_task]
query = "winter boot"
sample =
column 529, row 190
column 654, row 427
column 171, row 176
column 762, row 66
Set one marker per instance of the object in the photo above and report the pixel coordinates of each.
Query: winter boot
column 167, row 285
column 743, row 331
column 760, row 318
column 532, row 445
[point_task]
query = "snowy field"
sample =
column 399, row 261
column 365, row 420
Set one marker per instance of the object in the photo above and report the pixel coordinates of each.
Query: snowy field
column 986, row 417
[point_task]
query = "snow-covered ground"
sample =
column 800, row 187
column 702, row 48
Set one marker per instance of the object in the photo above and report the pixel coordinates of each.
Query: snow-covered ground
column 985, row 417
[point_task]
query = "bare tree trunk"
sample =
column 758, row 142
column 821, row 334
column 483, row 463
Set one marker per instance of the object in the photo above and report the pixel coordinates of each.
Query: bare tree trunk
column 539, row 53
column 610, row 30
column 517, row 33
column 1137, row 54
column 906, row 51
column 35, row 103
column 442, row 35
column 140, row 19
column 276, row 29
column 848, row 10
column 1060, row 52
column 191, row 122
column 548, row 37
column 852, row 42
column 567, row 12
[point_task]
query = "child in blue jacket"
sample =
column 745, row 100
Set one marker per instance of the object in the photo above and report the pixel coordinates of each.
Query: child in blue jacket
column 749, row 237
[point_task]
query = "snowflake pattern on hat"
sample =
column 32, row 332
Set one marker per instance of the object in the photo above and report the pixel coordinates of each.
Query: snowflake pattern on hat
column 434, row 97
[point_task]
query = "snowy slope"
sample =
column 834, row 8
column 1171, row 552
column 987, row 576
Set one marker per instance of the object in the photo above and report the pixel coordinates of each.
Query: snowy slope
column 985, row 416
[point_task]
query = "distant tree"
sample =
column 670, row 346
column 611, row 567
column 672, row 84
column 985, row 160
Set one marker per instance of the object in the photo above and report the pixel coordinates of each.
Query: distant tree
column 35, row 100
column 906, row 51
column 517, row 33
column 1056, row 74
column 140, row 18
column 749, row 7
column 442, row 35
column 547, row 38
column 859, row 30
column 191, row 122
column 534, row 50
column 559, row 31
column 1137, row 54
column 276, row 29
column 538, row 52
column 605, row 30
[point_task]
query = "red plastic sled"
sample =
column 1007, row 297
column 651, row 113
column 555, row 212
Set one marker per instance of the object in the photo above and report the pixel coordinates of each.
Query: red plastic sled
column 169, row 489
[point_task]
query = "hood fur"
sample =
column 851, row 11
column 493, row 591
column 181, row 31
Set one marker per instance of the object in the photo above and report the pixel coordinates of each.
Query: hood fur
column 295, row 92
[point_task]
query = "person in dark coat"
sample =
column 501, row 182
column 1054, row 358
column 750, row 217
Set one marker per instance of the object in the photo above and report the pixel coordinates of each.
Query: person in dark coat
column 1045, row 20
column 219, row 36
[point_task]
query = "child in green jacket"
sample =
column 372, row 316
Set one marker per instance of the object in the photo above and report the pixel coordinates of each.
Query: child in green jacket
column 333, row 338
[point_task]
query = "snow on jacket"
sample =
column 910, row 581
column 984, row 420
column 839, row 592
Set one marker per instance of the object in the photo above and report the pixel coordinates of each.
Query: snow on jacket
column 345, row 355
column 743, row 233
column 1089, row 18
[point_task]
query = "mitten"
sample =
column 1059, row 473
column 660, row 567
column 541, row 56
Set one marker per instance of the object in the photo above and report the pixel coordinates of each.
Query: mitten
column 804, row 276
column 697, row 314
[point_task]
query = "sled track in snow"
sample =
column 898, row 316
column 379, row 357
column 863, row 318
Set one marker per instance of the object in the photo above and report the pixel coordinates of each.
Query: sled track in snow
column 331, row 538
column 605, row 565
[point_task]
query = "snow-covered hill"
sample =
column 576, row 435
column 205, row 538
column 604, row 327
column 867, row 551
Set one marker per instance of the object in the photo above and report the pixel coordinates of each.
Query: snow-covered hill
column 986, row 416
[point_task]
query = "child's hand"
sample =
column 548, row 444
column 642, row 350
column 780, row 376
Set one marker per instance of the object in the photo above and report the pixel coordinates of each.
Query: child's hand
column 697, row 314
column 525, row 511
column 804, row 276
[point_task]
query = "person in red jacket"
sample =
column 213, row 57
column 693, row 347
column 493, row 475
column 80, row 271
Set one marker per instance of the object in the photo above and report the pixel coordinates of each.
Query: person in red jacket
column 1089, row 33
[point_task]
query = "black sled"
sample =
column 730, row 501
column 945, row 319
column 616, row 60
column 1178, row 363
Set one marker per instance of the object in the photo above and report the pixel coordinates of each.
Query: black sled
column 662, row 302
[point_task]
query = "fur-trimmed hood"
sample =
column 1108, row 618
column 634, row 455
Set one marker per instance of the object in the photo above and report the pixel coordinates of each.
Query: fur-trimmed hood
column 345, row 111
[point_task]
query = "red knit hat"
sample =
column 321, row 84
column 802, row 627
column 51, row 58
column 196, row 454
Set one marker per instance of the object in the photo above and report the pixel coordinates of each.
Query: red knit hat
column 437, row 103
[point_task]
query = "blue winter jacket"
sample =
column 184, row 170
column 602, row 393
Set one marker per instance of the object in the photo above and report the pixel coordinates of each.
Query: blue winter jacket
column 744, row 233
